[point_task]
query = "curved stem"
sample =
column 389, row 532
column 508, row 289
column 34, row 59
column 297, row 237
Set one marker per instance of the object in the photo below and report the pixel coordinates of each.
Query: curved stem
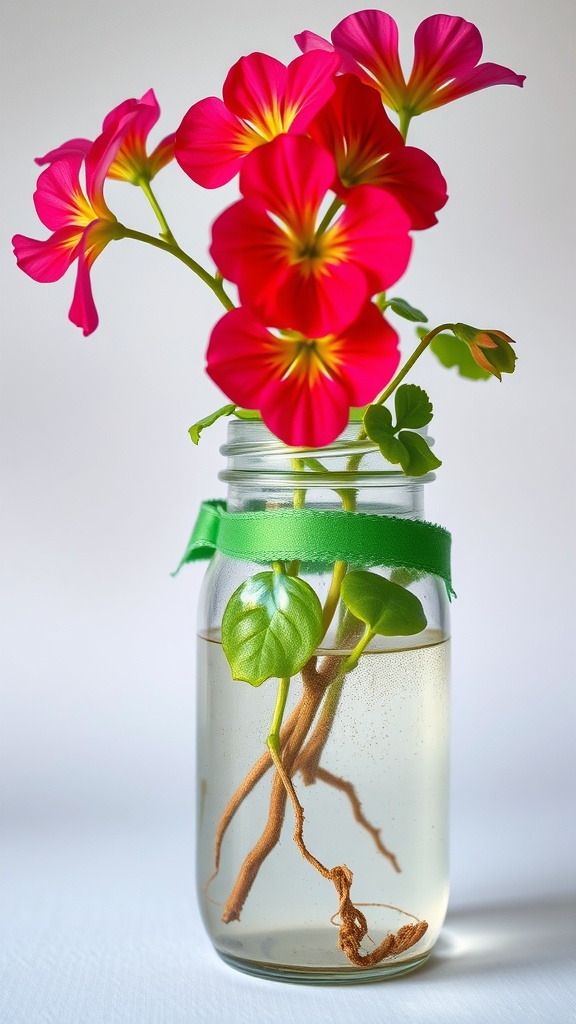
column 273, row 742
column 171, row 247
column 331, row 602
column 391, row 387
column 405, row 118
column 329, row 215
column 166, row 232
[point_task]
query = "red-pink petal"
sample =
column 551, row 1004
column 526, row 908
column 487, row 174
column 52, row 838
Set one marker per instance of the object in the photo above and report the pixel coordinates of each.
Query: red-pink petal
column 308, row 41
column 211, row 143
column 147, row 110
column 243, row 356
column 371, row 38
column 251, row 250
column 70, row 148
column 132, row 161
column 82, row 312
column 314, row 304
column 482, row 77
column 369, row 150
column 354, row 126
column 376, row 229
column 246, row 240
column 254, row 88
column 446, row 52
column 251, row 367
column 162, row 154
column 58, row 198
column 304, row 413
column 303, row 402
column 309, row 84
column 290, row 176
column 47, row 260
column 368, row 350
column 102, row 154
column 415, row 180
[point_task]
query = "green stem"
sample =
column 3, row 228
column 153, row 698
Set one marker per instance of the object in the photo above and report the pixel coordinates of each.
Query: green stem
column 273, row 741
column 385, row 394
column 405, row 118
column 166, row 232
column 175, row 250
column 299, row 492
column 352, row 659
column 329, row 215
column 331, row 602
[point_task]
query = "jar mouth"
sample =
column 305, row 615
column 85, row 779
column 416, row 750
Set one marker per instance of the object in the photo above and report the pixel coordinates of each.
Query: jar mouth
column 254, row 453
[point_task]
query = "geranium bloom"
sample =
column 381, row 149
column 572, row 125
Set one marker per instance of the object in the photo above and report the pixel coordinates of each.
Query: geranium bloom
column 262, row 99
column 369, row 150
column 81, row 222
column 446, row 55
column 304, row 387
column 132, row 163
column 290, row 272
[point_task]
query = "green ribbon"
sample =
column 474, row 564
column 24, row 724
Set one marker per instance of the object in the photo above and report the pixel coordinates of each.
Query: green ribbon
column 320, row 536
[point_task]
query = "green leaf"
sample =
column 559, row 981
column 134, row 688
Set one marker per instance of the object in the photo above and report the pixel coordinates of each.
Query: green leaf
column 385, row 607
column 392, row 449
column 377, row 422
column 405, row 310
column 418, row 458
column 452, row 351
column 197, row 428
column 413, row 407
column 271, row 626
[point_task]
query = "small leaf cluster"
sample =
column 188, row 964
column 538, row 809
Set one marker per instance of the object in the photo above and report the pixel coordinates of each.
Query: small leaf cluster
column 399, row 445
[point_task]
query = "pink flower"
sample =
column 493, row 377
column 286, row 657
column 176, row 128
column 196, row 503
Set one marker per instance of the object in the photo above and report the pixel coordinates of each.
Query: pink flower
column 369, row 150
column 290, row 272
column 132, row 163
column 262, row 99
column 446, row 55
column 304, row 387
column 81, row 222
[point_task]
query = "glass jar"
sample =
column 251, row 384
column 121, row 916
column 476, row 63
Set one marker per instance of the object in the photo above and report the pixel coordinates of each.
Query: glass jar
column 364, row 743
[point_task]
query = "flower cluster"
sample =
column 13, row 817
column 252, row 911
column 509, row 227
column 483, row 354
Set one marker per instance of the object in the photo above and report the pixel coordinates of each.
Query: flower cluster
column 329, row 196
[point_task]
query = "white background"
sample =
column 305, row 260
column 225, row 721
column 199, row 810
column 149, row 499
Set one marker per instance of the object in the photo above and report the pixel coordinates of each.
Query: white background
column 101, row 485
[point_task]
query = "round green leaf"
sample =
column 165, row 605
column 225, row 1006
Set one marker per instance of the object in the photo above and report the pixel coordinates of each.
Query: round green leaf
column 271, row 626
column 385, row 607
column 413, row 407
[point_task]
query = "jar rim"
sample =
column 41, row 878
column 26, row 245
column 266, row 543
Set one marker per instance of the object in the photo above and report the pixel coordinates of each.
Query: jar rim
column 251, row 445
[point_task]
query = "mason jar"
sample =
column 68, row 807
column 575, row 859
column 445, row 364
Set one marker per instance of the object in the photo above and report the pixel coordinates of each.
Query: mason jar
column 364, row 737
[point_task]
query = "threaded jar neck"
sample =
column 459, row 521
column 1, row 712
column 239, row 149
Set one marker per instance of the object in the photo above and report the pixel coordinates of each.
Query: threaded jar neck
column 262, row 472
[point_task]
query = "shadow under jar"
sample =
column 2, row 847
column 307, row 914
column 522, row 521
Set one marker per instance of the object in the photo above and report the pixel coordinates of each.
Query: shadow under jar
column 365, row 745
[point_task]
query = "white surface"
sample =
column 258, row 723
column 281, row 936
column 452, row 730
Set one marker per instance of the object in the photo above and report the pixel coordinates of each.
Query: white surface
column 103, row 929
column 101, row 484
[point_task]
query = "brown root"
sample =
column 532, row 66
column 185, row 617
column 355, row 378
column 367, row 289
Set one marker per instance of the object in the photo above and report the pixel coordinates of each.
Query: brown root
column 346, row 787
column 314, row 688
column 353, row 924
column 257, row 772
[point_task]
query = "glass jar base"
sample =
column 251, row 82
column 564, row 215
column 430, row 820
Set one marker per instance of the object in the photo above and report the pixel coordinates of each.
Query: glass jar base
column 300, row 958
